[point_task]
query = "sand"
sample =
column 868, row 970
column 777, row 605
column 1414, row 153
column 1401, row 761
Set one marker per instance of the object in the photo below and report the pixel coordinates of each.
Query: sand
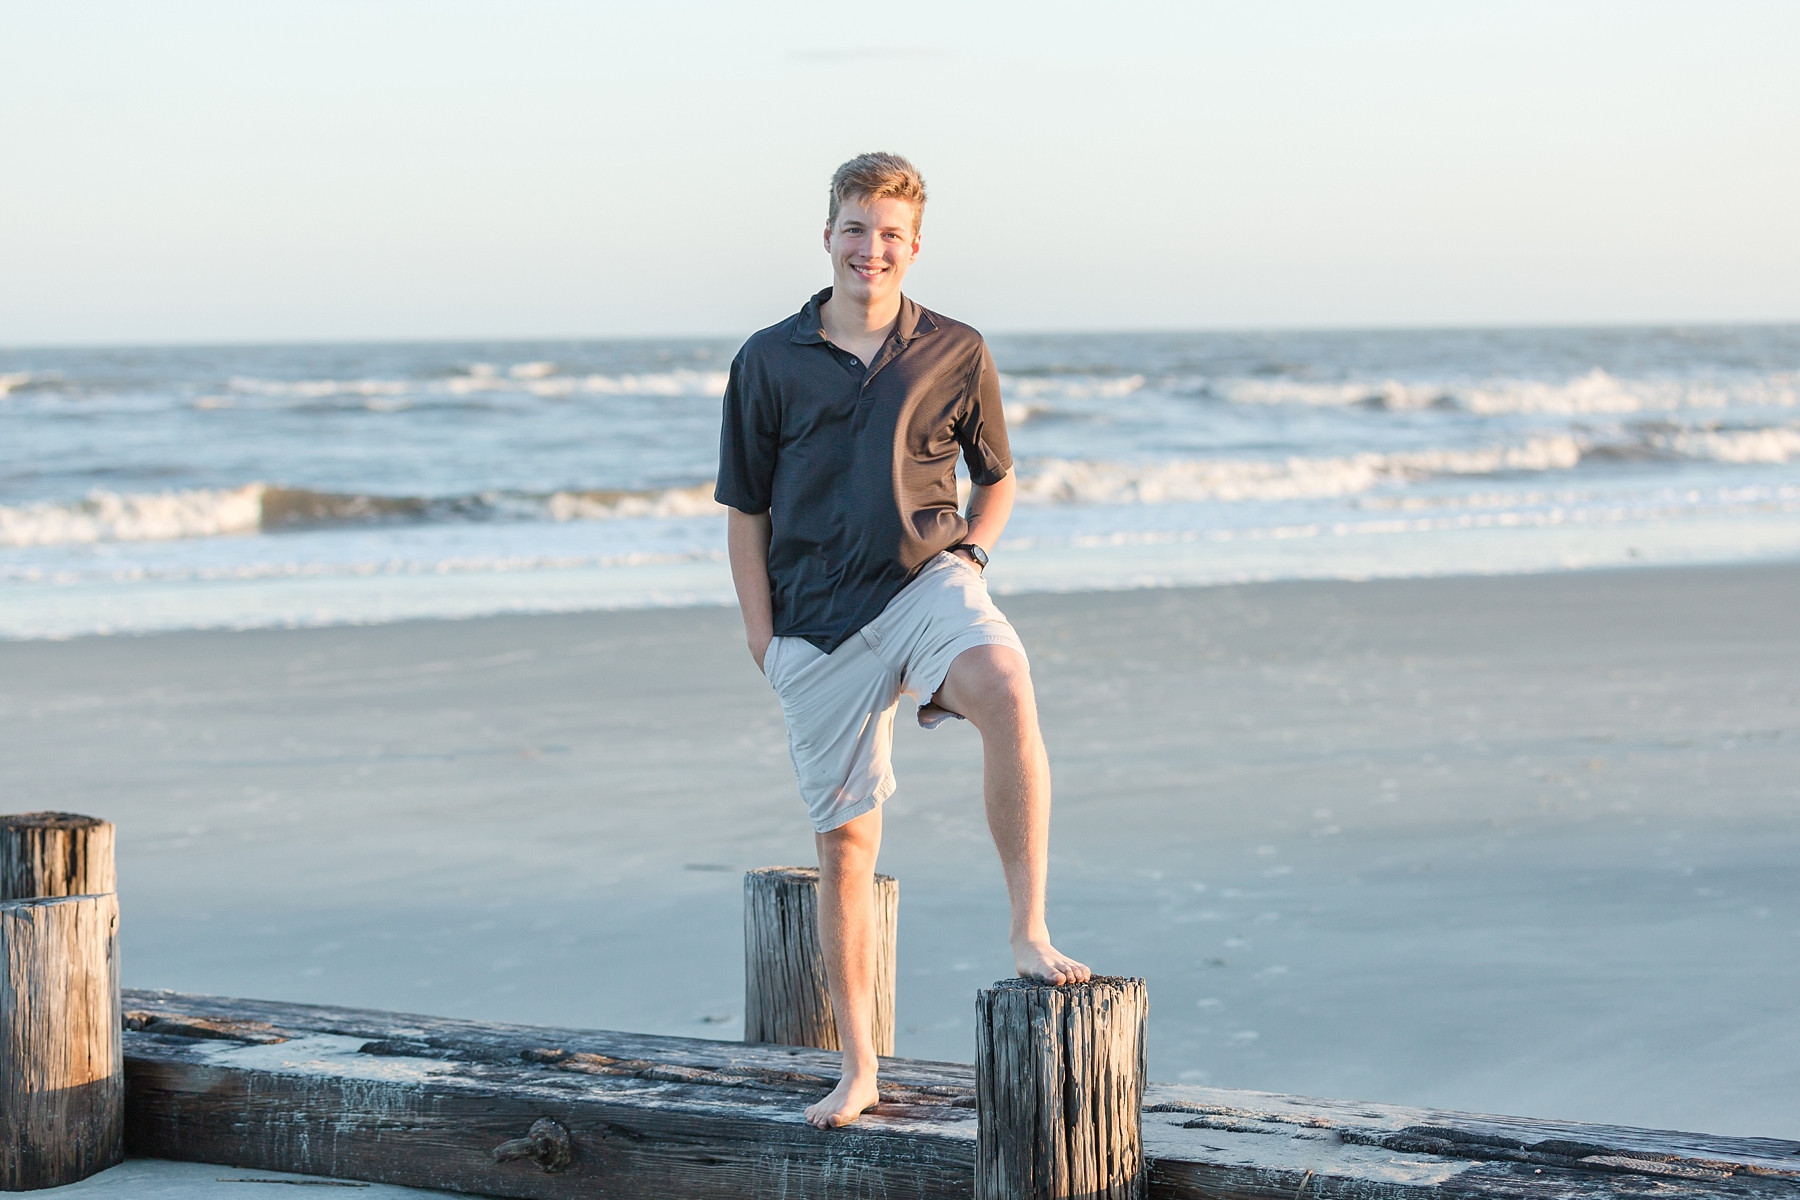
column 152, row 1179
column 1523, row 844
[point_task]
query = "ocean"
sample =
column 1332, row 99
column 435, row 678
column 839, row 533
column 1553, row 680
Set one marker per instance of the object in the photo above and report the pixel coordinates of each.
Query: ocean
column 146, row 489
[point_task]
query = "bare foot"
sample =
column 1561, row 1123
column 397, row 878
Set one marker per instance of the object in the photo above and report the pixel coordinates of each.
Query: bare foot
column 846, row 1102
column 1036, row 958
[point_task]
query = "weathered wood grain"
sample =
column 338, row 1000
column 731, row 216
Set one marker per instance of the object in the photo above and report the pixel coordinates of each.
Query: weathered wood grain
column 428, row 1103
column 424, row 1101
column 62, row 1079
column 1226, row 1143
column 786, row 997
column 1060, row 1077
column 55, row 854
column 226, row 1018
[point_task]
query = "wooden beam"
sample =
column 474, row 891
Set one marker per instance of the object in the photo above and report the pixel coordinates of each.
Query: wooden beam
column 426, row 1102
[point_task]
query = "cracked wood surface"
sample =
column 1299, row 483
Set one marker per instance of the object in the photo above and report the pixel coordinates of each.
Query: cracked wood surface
column 424, row 1101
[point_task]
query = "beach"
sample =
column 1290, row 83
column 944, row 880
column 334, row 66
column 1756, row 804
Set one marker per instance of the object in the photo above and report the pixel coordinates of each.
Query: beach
column 1519, row 844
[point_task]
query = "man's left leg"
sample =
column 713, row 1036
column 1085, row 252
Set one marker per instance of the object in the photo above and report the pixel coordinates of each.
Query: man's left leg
column 991, row 686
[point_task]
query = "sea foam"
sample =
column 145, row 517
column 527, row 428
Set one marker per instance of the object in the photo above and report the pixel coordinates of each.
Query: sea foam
column 1074, row 481
column 109, row 517
column 529, row 378
column 11, row 381
column 260, row 507
column 1595, row 392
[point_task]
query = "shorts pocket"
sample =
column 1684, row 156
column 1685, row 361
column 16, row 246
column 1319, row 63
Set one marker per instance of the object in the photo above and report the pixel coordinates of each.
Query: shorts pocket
column 770, row 653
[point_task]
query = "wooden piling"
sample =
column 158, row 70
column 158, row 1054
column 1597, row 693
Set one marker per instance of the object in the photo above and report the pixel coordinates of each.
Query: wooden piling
column 55, row 854
column 786, row 997
column 62, row 1071
column 1059, row 1090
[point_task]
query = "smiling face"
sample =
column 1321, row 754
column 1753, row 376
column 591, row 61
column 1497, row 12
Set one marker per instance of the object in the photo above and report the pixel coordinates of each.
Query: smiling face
column 872, row 243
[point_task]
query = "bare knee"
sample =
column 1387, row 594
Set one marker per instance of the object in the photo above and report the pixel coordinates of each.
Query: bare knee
column 991, row 686
column 852, row 846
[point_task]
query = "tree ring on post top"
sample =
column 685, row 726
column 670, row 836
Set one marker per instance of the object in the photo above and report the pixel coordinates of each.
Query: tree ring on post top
column 49, row 820
column 50, row 854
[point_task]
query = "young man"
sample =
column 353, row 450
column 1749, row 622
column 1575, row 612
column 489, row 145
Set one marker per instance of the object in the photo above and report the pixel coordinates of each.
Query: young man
column 860, row 582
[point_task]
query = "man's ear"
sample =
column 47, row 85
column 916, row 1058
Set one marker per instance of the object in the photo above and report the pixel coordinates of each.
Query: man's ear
column 828, row 237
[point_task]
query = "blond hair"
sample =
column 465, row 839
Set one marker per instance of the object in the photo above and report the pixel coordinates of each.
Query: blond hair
column 878, row 176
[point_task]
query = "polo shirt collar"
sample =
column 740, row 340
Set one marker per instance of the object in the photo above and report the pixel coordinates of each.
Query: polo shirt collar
column 809, row 326
column 914, row 321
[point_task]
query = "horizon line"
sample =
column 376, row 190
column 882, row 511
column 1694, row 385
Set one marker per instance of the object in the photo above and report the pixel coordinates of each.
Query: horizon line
column 1138, row 331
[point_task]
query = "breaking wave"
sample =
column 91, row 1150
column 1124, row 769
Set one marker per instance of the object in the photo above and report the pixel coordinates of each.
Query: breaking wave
column 1595, row 393
column 108, row 517
column 1072, row 387
column 14, row 383
column 1076, row 481
column 263, row 508
column 533, row 378
column 1025, row 393
column 260, row 508
column 1084, row 481
column 1777, row 445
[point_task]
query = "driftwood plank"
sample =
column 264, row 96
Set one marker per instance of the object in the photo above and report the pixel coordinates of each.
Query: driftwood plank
column 423, row 1101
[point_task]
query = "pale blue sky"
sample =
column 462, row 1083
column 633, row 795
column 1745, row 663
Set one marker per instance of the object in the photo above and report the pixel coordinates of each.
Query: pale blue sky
column 432, row 168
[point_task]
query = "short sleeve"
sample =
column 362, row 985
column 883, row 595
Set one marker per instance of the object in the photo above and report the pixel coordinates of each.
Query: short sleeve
column 981, row 424
column 748, row 435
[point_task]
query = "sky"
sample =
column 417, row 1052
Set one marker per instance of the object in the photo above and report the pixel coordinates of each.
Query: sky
column 417, row 169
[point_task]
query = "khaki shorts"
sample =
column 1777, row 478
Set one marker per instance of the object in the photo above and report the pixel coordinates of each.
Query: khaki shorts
column 840, row 706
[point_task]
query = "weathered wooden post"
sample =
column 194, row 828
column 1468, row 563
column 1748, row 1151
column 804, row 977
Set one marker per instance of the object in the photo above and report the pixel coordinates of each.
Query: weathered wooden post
column 55, row 854
column 62, row 1070
column 786, row 998
column 1059, row 1090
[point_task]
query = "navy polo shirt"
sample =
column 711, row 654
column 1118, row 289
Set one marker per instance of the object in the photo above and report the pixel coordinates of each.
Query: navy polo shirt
column 855, row 463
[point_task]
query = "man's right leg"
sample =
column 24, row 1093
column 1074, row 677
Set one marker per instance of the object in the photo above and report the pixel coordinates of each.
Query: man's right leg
column 991, row 687
column 847, row 936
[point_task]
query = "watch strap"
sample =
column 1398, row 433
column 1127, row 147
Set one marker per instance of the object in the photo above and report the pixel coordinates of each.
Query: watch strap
column 975, row 552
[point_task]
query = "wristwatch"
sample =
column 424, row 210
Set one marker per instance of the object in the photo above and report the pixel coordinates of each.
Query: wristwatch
column 975, row 552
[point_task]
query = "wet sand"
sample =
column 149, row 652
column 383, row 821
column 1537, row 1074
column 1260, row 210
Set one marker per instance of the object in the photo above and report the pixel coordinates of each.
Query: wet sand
column 1524, row 844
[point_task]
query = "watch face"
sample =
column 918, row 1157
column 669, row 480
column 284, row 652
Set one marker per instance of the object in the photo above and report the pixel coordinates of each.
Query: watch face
column 975, row 552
